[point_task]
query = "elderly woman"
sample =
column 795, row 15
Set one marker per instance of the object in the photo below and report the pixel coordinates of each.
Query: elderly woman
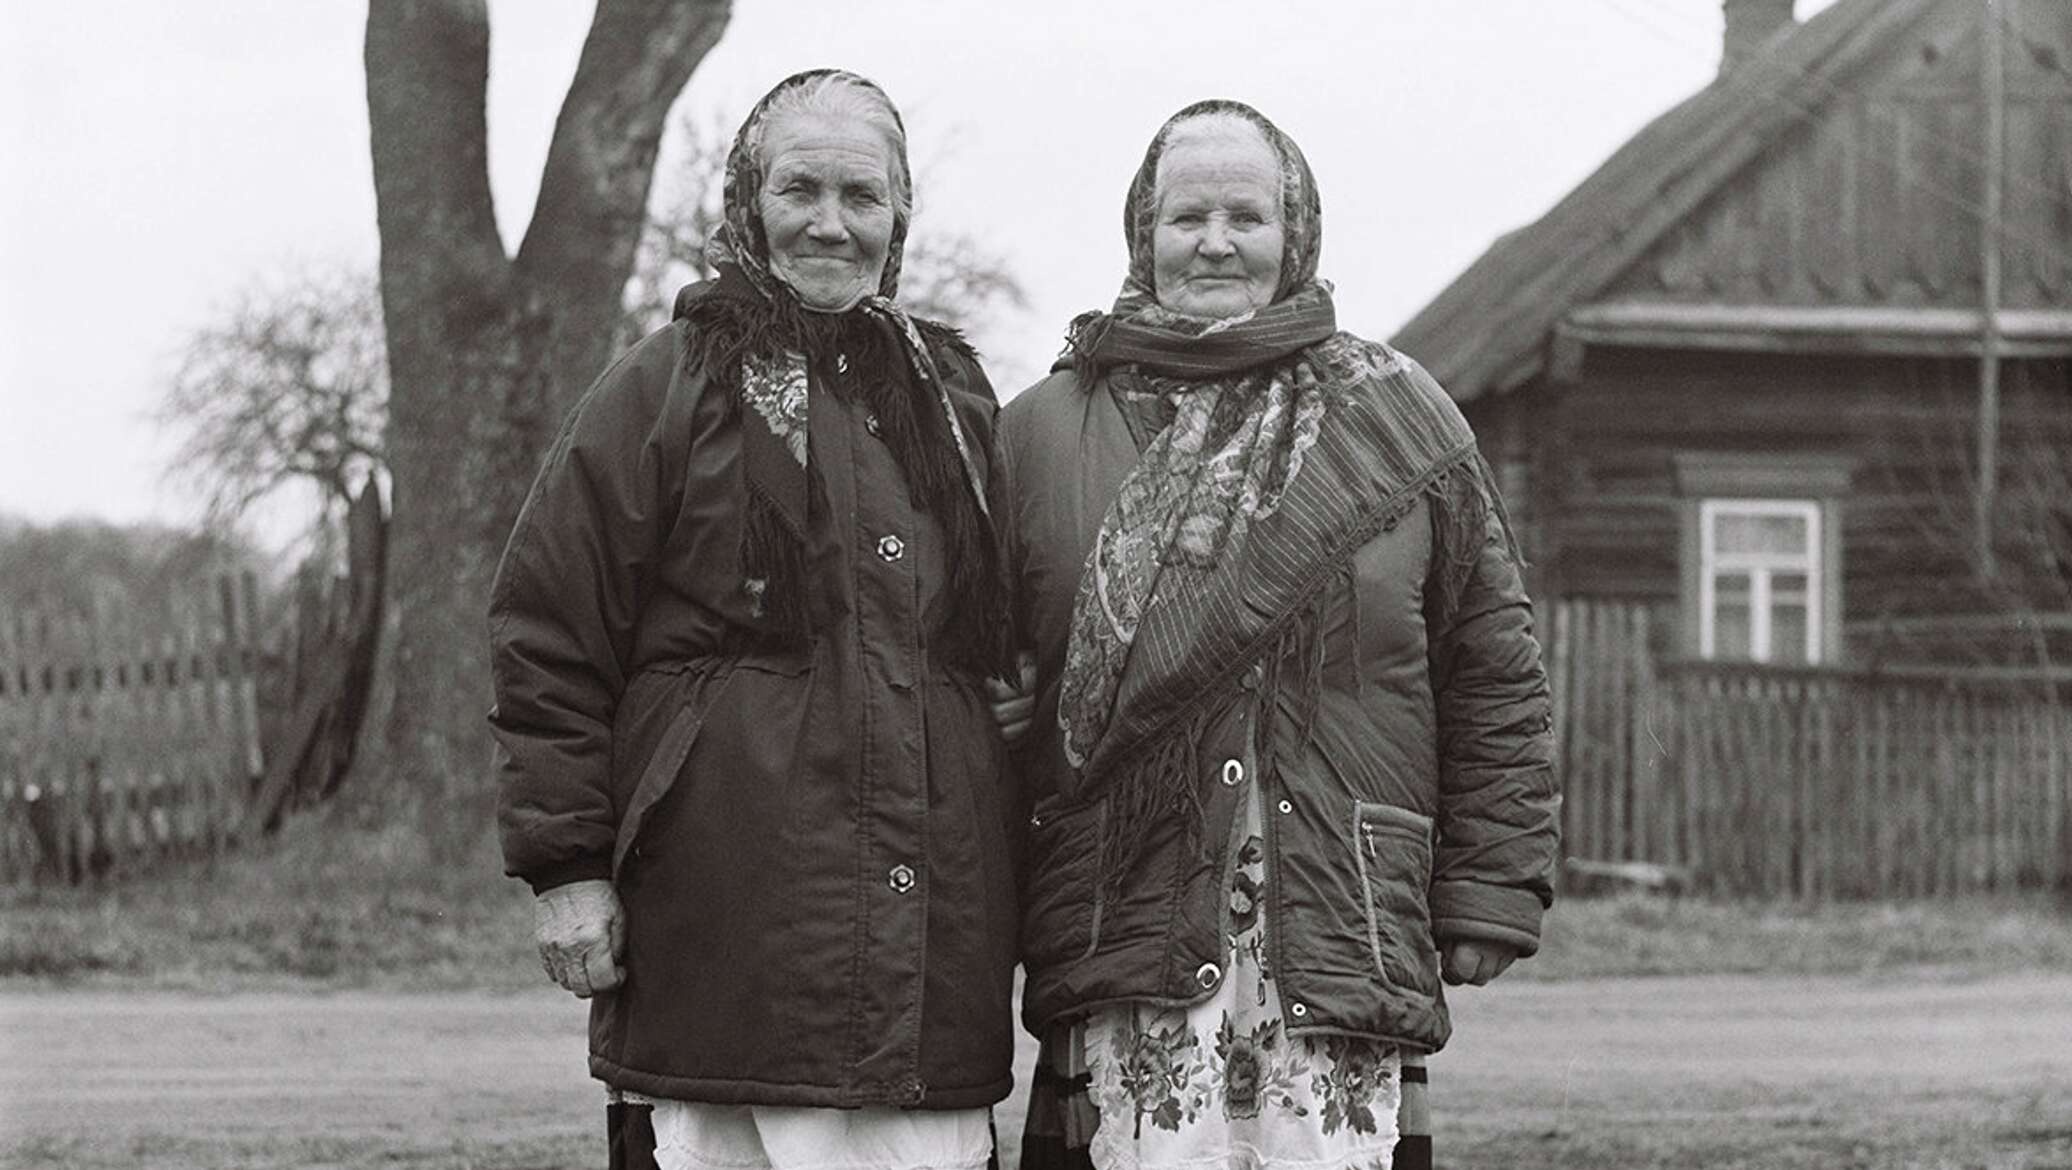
column 1294, row 759
column 738, row 639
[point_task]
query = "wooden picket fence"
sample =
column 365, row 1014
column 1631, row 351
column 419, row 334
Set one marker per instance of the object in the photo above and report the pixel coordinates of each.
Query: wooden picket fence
column 123, row 742
column 1808, row 783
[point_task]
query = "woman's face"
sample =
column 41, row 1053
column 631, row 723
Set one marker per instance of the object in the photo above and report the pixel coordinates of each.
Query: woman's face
column 827, row 207
column 1216, row 243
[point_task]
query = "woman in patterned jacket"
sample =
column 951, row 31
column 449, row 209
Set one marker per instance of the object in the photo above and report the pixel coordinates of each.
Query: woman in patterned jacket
column 1291, row 757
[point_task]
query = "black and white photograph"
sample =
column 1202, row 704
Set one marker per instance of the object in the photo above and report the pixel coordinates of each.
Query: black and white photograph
column 934, row 585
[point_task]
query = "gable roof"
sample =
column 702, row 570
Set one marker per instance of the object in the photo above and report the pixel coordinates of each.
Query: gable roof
column 1487, row 331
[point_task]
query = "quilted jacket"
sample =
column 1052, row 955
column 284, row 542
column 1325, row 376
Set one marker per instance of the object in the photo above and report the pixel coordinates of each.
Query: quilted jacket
column 1422, row 808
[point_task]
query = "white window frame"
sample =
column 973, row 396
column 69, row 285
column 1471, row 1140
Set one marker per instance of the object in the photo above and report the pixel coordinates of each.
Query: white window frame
column 1760, row 567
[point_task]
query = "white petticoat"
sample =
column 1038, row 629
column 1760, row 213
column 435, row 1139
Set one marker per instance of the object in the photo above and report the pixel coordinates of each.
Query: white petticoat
column 693, row 1135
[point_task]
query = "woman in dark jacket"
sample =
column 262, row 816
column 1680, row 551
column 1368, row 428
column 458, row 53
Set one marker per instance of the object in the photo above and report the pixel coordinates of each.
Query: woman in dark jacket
column 1294, row 758
column 738, row 640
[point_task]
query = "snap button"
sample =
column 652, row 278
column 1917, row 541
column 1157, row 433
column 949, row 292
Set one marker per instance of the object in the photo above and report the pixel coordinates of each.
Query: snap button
column 1285, row 807
column 901, row 879
column 1233, row 771
column 1207, row 975
column 871, row 424
column 1298, row 1010
column 891, row 548
column 841, row 363
column 1254, row 675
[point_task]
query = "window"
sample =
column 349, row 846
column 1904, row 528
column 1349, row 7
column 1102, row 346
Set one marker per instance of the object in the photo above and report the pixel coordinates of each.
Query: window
column 1761, row 555
column 1760, row 580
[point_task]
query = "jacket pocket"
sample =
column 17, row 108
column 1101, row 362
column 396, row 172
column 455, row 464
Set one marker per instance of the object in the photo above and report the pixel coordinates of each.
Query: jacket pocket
column 1062, row 921
column 1392, row 847
column 667, row 759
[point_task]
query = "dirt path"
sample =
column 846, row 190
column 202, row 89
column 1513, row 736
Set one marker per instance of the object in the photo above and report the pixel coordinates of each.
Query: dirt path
column 1770, row 1073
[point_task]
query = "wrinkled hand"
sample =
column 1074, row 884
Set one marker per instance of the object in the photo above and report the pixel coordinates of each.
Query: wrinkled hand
column 581, row 930
column 1014, row 707
column 1475, row 963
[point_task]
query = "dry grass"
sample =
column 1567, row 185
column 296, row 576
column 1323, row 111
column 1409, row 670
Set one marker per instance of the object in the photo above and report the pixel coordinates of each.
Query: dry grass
column 331, row 905
column 324, row 904
column 1642, row 935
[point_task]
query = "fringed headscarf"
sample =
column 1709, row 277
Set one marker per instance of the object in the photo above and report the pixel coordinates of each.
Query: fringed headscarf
column 751, row 334
column 1280, row 446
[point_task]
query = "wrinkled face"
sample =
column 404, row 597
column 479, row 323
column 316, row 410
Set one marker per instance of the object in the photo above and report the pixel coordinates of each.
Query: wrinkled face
column 1216, row 243
column 827, row 208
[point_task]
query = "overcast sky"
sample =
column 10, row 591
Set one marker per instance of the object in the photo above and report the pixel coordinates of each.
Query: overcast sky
column 157, row 158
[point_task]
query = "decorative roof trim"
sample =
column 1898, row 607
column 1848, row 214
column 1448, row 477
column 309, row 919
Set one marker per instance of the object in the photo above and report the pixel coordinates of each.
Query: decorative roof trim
column 1488, row 331
column 1816, row 328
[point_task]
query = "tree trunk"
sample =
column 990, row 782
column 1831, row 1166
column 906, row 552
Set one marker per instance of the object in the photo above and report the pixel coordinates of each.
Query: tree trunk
column 486, row 351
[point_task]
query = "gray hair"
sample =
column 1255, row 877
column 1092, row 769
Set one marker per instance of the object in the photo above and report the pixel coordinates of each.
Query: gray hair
column 835, row 96
column 1214, row 124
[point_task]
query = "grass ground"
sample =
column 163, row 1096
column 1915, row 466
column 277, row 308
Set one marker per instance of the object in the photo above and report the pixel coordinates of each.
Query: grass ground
column 329, row 905
column 331, row 999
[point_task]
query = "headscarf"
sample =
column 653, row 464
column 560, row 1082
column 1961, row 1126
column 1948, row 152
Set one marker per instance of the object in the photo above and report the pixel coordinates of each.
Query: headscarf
column 1281, row 446
column 751, row 334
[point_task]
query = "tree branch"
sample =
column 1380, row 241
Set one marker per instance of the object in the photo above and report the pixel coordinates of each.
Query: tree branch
column 594, row 187
column 427, row 80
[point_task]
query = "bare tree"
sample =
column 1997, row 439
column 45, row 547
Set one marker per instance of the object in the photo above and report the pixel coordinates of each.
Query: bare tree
column 686, row 210
column 487, row 350
column 957, row 280
column 2014, row 606
column 291, row 386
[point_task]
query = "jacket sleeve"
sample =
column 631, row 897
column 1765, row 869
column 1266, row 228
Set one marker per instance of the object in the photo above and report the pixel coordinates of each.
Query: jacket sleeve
column 565, row 607
column 1499, row 823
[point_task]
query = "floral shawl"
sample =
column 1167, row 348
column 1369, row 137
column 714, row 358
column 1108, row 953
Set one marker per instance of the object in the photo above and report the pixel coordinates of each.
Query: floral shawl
column 1290, row 444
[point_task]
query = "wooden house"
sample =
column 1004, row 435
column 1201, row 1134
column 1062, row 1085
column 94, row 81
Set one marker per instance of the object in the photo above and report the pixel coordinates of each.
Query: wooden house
column 1738, row 373
column 1785, row 384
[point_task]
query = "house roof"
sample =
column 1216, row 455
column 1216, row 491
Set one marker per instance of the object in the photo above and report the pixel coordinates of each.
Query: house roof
column 1488, row 330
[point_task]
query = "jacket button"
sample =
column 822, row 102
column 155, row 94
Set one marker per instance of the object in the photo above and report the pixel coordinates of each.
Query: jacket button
column 1253, row 676
column 1207, row 975
column 871, row 424
column 1298, row 1010
column 841, row 363
column 891, row 548
column 901, row 879
column 1233, row 771
column 1285, row 807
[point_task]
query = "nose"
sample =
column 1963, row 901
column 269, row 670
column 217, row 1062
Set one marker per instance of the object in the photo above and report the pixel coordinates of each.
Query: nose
column 1215, row 240
column 826, row 226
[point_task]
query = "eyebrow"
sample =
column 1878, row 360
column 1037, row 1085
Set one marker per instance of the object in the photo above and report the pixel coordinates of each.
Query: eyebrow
column 1243, row 200
column 820, row 173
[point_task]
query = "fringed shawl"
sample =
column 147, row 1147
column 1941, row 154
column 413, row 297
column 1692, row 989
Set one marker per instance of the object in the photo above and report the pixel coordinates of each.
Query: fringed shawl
column 1291, row 445
column 749, row 333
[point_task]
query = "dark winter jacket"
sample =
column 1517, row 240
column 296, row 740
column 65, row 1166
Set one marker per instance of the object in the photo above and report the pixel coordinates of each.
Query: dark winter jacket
column 813, row 847
column 1421, row 809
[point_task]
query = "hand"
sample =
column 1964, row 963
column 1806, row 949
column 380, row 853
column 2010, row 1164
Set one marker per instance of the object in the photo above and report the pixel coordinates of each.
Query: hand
column 581, row 929
column 1475, row 963
column 1014, row 706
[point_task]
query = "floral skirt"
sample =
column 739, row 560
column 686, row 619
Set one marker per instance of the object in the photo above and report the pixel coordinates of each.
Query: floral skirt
column 1219, row 1083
